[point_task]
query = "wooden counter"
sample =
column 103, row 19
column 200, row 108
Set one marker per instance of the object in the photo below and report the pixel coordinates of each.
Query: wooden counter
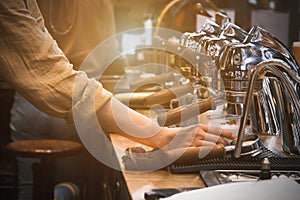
column 140, row 182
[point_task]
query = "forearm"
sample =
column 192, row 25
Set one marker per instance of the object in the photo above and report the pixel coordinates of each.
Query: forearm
column 115, row 117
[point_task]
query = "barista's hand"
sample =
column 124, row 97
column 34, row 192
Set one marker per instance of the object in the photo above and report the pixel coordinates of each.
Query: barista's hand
column 195, row 135
column 209, row 135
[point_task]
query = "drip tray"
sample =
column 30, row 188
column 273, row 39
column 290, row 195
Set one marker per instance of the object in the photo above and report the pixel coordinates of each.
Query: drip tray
column 218, row 177
column 243, row 163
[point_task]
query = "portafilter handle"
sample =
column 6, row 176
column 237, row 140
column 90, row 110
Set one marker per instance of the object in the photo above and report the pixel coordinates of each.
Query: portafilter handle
column 185, row 112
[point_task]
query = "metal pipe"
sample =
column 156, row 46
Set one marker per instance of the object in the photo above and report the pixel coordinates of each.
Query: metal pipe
column 282, row 71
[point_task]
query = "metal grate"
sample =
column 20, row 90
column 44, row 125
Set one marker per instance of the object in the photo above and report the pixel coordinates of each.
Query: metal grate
column 243, row 163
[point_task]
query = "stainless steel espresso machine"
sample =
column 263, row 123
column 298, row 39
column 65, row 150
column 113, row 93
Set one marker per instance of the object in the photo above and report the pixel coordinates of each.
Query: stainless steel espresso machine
column 252, row 71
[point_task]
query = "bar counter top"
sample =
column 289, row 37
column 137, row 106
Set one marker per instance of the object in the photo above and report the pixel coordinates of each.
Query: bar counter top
column 140, row 182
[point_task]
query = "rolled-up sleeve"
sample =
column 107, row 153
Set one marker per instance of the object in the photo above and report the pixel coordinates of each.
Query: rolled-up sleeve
column 33, row 64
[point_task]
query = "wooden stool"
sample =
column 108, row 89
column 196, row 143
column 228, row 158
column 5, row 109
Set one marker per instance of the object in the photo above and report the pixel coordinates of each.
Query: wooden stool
column 46, row 151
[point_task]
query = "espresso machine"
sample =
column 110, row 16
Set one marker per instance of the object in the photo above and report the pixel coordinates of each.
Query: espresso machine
column 270, row 108
column 253, row 71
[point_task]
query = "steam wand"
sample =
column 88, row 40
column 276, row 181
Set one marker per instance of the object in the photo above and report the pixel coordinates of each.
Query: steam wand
column 275, row 67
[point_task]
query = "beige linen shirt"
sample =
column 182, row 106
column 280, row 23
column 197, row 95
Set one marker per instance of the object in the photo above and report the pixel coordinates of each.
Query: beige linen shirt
column 33, row 64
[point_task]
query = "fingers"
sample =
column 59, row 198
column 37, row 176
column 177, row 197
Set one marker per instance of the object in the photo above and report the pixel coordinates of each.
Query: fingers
column 208, row 135
column 204, row 135
column 215, row 139
column 218, row 131
column 197, row 143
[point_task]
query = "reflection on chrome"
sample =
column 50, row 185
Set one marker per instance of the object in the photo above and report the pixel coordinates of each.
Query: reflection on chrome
column 287, row 96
